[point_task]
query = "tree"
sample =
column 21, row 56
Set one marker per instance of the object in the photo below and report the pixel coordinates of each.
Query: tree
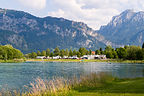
column 132, row 52
column 38, row 53
column 33, row 55
column 122, row 53
column 140, row 54
column 5, row 56
column 83, row 51
column 78, row 54
column 115, row 56
column 90, row 52
column 70, row 53
column 143, row 46
column 43, row 53
column 126, row 47
column 17, row 54
column 56, row 51
column 51, row 54
column 109, row 54
column 101, row 51
column 74, row 52
column 108, row 48
column 66, row 52
column 48, row 52
column 8, row 52
column 2, row 53
column 97, row 52
column 109, row 51
column 62, row 53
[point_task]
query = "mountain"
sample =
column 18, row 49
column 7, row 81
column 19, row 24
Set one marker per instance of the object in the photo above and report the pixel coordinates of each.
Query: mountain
column 125, row 29
column 30, row 33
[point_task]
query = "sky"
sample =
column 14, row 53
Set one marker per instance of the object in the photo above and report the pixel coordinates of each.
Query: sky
column 94, row 13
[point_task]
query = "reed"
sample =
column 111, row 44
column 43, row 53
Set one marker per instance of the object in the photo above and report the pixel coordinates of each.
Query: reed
column 92, row 81
column 55, row 87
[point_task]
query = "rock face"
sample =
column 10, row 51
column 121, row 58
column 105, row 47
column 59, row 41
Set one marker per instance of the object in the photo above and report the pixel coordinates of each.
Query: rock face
column 29, row 33
column 125, row 29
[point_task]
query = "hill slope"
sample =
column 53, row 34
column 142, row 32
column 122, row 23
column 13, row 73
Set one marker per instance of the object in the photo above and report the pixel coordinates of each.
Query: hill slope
column 29, row 33
column 125, row 29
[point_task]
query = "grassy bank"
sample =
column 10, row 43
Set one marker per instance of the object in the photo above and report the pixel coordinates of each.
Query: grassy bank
column 77, row 60
column 89, row 85
column 12, row 61
column 113, row 87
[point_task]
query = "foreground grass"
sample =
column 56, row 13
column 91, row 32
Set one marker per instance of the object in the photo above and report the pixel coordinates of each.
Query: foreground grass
column 88, row 85
column 96, row 60
column 119, row 87
column 106, row 94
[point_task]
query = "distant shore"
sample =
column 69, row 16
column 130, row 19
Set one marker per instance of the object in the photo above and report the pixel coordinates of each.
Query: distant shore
column 85, row 60
column 72, row 60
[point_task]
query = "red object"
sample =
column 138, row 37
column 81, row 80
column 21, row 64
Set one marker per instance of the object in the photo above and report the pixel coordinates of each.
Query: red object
column 93, row 52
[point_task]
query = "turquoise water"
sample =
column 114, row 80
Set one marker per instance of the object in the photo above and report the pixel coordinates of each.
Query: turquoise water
column 16, row 75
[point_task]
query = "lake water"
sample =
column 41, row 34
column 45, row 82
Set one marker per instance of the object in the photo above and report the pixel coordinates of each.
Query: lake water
column 16, row 75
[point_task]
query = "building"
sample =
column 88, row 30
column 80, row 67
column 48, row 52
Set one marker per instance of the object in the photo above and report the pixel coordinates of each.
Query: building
column 73, row 57
column 65, row 57
column 41, row 57
column 94, row 57
column 56, row 57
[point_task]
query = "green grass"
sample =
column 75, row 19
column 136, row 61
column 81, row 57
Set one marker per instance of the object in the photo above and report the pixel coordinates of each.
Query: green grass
column 106, row 94
column 121, row 86
column 112, row 87
column 96, row 60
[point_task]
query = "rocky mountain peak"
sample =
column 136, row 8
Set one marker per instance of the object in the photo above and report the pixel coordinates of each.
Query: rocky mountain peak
column 125, row 28
column 122, row 18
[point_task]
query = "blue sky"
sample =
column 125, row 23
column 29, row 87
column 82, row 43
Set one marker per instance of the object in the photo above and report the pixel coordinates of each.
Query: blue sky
column 92, row 12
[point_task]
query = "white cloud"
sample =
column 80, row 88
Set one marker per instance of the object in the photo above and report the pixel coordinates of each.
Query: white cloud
column 74, row 10
column 93, row 12
column 36, row 4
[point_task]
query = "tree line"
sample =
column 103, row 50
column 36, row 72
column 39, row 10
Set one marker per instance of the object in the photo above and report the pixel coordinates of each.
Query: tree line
column 126, row 52
column 58, row 52
column 7, row 52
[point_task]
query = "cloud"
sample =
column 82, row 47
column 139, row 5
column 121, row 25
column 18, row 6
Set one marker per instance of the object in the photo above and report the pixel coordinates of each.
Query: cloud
column 79, row 10
column 95, row 13
column 35, row 4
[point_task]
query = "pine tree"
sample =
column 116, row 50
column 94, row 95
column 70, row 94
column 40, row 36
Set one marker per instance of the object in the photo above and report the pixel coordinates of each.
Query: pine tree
column 66, row 52
column 70, row 53
column 38, row 53
column 56, row 51
column 48, row 52
column 43, row 53
column 62, row 53
column 74, row 52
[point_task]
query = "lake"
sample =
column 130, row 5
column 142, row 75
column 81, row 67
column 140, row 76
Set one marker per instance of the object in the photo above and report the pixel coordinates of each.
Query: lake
column 16, row 75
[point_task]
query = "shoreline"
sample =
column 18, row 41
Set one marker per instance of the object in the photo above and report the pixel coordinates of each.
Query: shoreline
column 13, row 61
column 84, row 60
column 72, row 60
